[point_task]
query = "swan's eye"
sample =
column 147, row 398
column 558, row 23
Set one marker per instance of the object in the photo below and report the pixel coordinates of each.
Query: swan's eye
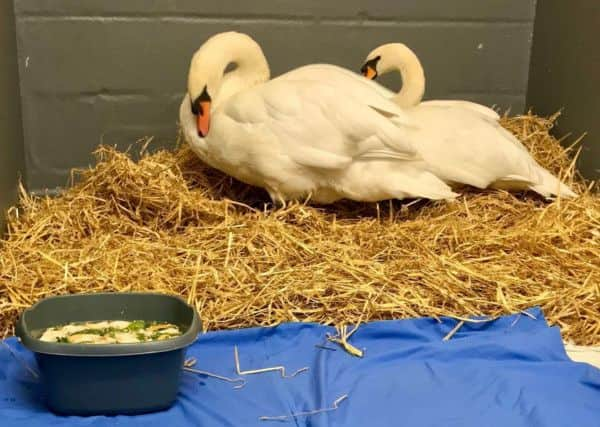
column 232, row 66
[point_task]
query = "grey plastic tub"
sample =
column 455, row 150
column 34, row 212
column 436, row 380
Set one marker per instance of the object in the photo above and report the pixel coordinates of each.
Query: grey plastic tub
column 89, row 379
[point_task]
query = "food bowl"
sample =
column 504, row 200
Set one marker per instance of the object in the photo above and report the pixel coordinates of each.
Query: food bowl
column 91, row 379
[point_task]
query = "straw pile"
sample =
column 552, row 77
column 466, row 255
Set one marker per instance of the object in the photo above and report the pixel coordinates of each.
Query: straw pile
column 165, row 222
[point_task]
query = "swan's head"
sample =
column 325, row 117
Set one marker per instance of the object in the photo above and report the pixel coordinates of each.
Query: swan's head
column 206, row 80
column 369, row 68
column 388, row 57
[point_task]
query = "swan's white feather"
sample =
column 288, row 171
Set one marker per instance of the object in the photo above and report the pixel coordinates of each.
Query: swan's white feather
column 367, row 91
column 463, row 146
column 315, row 121
column 478, row 108
column 299, row 137
column 462, row 141
column 323, row 131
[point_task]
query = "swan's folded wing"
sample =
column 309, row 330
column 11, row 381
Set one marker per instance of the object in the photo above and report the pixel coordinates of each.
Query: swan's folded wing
column 452, row 107
column 368, row 91
column 478, row 108
column 463, row 147
column 319, row 159
column 319, row 126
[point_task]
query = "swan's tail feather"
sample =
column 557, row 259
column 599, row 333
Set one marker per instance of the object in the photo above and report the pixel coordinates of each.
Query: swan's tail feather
column 546, row 184
column 551, row 186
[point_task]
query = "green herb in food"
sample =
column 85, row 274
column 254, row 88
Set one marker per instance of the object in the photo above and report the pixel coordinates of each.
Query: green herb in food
column 136, row 325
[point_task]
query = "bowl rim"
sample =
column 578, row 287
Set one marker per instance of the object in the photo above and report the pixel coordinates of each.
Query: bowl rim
column 106, row 350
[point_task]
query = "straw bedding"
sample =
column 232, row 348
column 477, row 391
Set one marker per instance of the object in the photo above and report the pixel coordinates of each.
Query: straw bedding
column 167, row 223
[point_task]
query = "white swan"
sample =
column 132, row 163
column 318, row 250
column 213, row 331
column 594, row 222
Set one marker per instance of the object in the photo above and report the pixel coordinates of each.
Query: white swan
column 462, row 141
column 297, row 136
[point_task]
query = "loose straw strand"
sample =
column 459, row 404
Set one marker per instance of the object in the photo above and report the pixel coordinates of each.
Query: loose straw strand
column 333, row 407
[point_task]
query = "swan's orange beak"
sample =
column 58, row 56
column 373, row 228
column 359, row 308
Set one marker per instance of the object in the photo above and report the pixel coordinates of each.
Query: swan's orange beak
column 369, row 72
column 203, row 119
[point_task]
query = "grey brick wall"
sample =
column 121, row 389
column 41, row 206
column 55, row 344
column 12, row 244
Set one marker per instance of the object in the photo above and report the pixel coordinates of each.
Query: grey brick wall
column 11, row 138
column 566, row 58
column 113, row 71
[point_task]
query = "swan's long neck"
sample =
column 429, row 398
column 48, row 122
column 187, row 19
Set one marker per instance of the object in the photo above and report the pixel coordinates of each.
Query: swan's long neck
column 400, row 58
column 252, row 69
column 213, row 59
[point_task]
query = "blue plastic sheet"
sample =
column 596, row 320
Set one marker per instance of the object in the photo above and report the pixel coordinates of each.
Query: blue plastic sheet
column 509, row 372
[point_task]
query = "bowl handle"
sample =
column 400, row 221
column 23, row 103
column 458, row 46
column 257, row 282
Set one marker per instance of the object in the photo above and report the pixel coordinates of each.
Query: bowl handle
column 20, row 327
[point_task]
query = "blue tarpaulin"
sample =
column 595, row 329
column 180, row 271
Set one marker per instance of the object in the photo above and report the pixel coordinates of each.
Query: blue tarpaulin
column 512, row 371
